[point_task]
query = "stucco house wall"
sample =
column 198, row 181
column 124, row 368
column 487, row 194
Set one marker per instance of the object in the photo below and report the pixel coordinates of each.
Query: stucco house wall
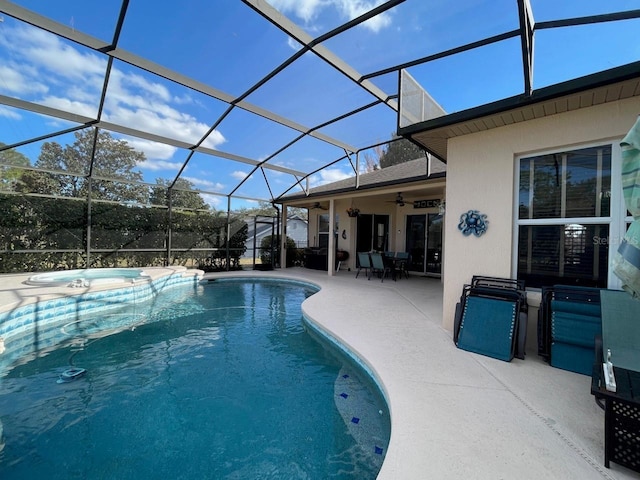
column 481, row 174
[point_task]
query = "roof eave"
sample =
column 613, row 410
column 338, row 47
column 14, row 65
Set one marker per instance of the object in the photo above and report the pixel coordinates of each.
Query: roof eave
column 373, row 186
column 570, row 87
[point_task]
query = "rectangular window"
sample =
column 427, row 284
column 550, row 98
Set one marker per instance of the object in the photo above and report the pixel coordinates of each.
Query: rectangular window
column 575, row 254
column 566, row 185
column 564, row 218
column 324, row 228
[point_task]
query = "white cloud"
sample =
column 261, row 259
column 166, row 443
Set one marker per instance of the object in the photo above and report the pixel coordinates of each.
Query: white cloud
column 295, row 45
column 74, row 80
column 9, row 113
column 152, row 88
column 158, row 165
column 69, row 105
column 50, row 53
column 16, row 82
column 214, row 139
column 184, row 100
column 239, row 175
column 214, row 201
column 132, row 100
column 203, row 184
column 328, row 175
column 39, row 63
column 354, row 8
column 153, row 150
column 309, row 10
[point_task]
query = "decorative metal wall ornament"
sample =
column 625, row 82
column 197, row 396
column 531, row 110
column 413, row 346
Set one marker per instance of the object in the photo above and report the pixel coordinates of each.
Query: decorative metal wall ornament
column 473, row 222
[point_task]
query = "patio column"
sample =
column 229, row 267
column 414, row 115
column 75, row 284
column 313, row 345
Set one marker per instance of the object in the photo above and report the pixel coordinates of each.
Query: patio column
column 283, row 238
column 331, row 253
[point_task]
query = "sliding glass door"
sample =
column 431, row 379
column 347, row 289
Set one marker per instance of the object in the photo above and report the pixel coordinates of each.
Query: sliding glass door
column 434, row 244
column 372, row 233
column 424, row 243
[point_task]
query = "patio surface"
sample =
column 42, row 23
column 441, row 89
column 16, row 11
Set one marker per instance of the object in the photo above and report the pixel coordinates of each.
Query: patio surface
column 454, row 414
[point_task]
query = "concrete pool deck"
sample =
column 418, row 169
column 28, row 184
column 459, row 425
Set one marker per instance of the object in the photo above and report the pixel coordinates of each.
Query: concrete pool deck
column 457, row 414
column 454, row 414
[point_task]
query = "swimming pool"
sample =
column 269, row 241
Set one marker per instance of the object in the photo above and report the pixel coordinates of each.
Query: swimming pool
column 221, row 381
column 87, row 277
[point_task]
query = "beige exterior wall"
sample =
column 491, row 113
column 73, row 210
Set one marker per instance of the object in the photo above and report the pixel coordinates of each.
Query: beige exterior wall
column 480, row 176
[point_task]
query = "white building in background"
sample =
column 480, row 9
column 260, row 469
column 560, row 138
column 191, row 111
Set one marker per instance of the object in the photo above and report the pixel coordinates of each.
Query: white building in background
column 297, row 229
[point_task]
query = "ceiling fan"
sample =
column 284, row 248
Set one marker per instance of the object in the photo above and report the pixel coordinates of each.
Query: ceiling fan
column 398, row 201
column 317, row 206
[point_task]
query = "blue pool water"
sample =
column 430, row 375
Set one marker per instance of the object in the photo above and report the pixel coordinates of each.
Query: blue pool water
column 222, row 381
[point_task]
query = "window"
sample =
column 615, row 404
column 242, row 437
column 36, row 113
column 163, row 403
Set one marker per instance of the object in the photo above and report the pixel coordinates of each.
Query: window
column 567, row 217
column 323, row 229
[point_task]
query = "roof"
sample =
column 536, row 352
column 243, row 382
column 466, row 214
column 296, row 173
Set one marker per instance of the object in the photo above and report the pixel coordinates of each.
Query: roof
column 420, row 169
column 602, row 87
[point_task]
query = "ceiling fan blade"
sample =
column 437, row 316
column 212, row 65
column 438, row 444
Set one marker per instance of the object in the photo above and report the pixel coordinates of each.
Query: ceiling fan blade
column 317, row 206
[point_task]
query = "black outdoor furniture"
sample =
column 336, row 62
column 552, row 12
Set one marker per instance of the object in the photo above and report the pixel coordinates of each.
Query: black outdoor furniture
column 401, row 264
column 315, row 258
column 621, row 412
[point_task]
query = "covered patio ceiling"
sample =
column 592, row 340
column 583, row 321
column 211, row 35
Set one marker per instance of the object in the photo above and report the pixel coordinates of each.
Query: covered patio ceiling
column 253, row 100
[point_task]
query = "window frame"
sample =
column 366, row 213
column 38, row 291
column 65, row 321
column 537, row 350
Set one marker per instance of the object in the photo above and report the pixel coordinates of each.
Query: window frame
column 617, row 221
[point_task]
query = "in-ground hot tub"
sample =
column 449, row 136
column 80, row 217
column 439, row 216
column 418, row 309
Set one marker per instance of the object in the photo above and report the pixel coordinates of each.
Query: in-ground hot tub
column 87, row 277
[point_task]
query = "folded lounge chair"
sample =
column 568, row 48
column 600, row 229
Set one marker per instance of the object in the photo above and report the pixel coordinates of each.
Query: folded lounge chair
column 569, row 319
column 491, row 318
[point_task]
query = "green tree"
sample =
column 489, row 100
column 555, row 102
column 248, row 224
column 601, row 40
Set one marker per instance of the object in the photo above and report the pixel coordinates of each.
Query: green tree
column 265, row 209
column 400, row 151
column 114, row 159
column 269, row 245
column 9, row 176
column 182, row 195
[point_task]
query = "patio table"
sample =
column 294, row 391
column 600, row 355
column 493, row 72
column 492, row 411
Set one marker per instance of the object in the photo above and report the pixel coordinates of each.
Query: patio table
column 621, row 416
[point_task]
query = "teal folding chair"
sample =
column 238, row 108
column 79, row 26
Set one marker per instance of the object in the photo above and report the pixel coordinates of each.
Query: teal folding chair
column 364, row 263
column 378, row 266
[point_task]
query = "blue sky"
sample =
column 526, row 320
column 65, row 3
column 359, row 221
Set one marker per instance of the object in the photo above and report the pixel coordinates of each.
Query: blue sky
column 226, row 45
